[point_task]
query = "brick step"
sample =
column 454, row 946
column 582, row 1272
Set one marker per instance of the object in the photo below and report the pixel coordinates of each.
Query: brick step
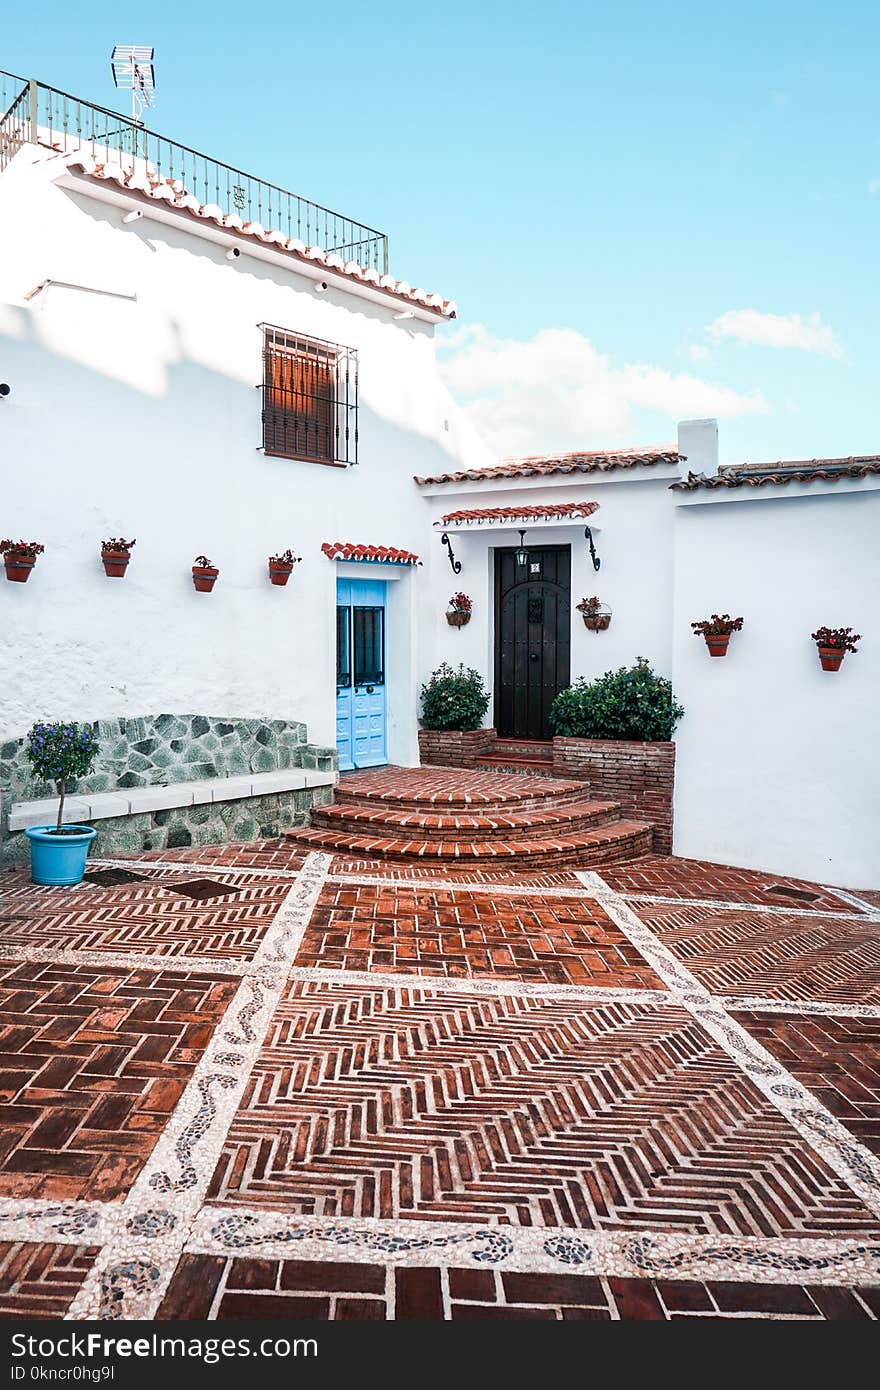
column 539, row 748
column 607, row 844
column 455, row 791
column 363, row 818
column 523, row 767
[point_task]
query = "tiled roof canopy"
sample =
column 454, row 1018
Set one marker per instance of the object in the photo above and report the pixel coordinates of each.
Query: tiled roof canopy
column 389, row 555
column 477, row 516
column 537, row 465
column 803, row 471
column 175, row 196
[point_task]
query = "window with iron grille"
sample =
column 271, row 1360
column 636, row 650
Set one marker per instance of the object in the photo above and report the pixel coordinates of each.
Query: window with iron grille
column 310, row 398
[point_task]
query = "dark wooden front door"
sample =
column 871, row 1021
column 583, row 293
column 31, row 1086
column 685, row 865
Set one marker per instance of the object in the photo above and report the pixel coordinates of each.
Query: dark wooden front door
column 532, row 638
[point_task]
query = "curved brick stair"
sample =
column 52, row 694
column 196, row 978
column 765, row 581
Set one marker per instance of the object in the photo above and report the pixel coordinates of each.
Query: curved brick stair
column 452, row 817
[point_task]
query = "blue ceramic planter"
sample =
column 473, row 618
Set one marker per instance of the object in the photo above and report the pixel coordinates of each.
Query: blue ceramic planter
column 59, row 860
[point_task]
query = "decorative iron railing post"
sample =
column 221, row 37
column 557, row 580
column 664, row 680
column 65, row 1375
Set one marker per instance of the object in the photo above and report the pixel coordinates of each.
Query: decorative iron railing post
column 32, row 112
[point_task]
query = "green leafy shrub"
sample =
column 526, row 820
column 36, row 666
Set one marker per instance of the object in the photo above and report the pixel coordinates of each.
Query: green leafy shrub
column 454, row 699
column 632, row 704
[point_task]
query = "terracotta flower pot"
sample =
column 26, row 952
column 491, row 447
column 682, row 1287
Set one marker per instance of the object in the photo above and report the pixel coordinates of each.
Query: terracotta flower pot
column 831, row 657
column 204, row 578
column 456, row 617
column 115, row 563
column 18, row 567
column 279, row 574
column 717, row 642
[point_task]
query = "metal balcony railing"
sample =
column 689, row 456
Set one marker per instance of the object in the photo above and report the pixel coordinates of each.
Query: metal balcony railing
column 32, row 112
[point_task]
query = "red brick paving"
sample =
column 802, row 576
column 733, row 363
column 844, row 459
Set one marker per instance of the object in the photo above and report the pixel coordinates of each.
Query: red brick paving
column 738, row 952
column 146, row 918
column 665, row 876
column 205, row 1285
column 435, row 932
column 446, row 787
column 41, row 1280
column 92, row 1063
column 837, row 1059
column 373, row 1101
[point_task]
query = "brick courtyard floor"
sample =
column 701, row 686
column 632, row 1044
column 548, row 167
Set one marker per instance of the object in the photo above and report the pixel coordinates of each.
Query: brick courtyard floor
column 247, row 1081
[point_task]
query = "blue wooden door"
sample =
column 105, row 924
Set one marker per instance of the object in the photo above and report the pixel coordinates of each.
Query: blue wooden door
column 360, row 673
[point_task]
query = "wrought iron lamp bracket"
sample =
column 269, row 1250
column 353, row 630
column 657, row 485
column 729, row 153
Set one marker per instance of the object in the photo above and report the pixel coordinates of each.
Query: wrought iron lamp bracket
column 593, row 556
column 456, row 564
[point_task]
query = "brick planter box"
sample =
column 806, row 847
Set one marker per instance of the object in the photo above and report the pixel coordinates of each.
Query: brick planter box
column 641, row 776
column 453, row 747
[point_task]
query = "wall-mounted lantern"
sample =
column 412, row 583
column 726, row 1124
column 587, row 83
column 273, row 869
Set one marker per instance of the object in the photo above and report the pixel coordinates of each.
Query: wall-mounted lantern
column 522, row 555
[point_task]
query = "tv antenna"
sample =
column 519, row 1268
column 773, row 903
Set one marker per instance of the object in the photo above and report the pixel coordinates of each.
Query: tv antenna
column 133, row 72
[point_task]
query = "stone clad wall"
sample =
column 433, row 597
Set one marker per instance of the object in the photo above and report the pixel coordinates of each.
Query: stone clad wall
column 641, row 776
column 159, row 749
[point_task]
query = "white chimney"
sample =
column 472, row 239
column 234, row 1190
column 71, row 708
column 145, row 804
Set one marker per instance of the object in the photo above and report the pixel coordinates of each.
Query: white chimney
column 698, row 440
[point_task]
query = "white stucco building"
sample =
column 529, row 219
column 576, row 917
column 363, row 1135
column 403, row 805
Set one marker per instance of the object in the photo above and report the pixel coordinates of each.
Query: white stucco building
column 185, row 374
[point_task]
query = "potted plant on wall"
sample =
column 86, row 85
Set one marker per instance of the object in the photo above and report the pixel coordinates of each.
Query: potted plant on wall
column 716, row 631
column 595, row 613
column 458, row 614
column 281, row 566
column 19, row 557
column 833, row 644
column 204, row 574
column 115, row 555
column 57, row 752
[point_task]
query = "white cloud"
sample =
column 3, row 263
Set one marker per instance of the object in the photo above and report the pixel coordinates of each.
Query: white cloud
column 805, row 332
column 557, row 391
column 698, row 352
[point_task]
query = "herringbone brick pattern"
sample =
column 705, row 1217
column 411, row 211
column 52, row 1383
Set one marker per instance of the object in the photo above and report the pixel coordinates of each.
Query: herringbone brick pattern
column 265, row 854
column 738, row 952
column 665, row 876
column 837, row 1059
column 525, row 1110
column 92, row 1063
column 147, row 918
column 210, row 1286
column 41, row 1281
column 436, row 932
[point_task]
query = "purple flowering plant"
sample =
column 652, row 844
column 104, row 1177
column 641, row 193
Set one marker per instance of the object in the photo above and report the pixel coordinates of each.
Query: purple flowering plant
column 57, row 752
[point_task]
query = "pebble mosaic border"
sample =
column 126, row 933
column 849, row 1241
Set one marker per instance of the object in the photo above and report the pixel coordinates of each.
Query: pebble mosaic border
column 164, row 1216
column 132, row 1272
column 858, row 1167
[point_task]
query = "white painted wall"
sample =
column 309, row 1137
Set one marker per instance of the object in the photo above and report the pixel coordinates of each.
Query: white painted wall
column 141, row 418
column 632, row 532
column 778, row 763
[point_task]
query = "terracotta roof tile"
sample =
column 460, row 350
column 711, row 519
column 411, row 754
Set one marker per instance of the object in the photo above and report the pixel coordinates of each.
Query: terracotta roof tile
column 175, row 195
column 800, row 471
column 537, row 465
column 477, row 515
column 389, row 555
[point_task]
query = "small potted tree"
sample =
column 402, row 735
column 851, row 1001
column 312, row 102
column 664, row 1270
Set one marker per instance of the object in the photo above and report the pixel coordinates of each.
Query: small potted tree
column 458, row 614
column 19, row 557
column 281, row 566
column 57, row 752
column 833, row 644
column 115, row 555
column 204, row 574
column 716, row 631
column 595, row 613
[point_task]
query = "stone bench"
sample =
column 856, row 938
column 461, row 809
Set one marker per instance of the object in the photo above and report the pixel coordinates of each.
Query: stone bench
column 107, row 805
column 168, row 781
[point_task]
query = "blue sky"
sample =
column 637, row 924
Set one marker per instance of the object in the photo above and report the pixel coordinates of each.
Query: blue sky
column 644, row 211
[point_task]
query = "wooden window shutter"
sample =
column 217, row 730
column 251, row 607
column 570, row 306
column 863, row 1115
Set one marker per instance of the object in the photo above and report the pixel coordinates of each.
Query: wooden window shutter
column 299, row 409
